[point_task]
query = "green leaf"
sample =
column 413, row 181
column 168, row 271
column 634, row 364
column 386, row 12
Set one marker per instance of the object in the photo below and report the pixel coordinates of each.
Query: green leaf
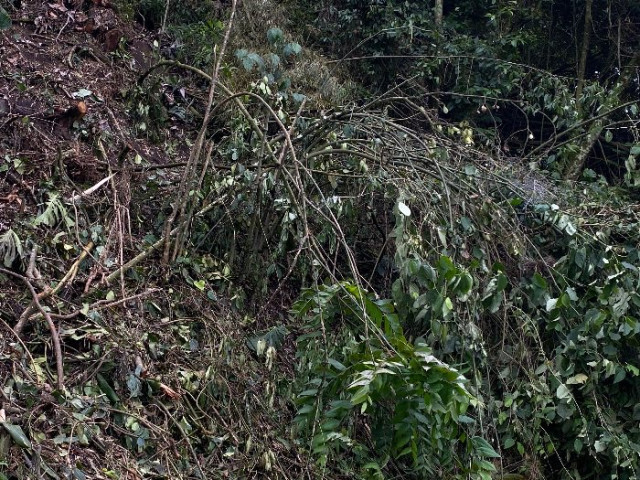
column 82, row 93
column 447, row 307
column 483, row 448
column 298, row 97
column 200, row 285
column 465, row 285
column 608, row 136
column 577, row 445
column 539, row 281
column 106, row 389
column 336, row 364
column 620, row 375
column 134, row 385
column 465, row 419
column 291, row 49
column 312, row 392
column 274, row 35
column 53, row 213
column 486, row 465
column 564, row 411
column 79, row 474
column 570, row 229
column 5, row 19
column 361, row 395
column 445, row 264
column 17, row 434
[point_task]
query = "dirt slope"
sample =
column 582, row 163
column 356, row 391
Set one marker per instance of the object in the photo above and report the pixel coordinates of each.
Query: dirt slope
column 157, row 380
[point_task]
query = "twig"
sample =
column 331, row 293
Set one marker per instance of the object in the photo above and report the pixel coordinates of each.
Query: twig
column 32, row 271
column 137, row 259
column 26, row 351
column 183, row 433
column 286, row 277
column 48, row 292
column 104, row 304
column 54, row 332
column 189, row 177
column 90, row 190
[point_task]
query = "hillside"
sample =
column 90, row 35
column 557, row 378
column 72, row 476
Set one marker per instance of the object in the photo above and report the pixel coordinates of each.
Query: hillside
column 296, row 240
column 149, row 362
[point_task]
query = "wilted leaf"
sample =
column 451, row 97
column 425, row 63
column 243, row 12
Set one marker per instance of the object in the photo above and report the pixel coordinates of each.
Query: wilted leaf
column 273, row 338
column 577, row 379
column 169, row 392
column 82, row 93
column 10, row 248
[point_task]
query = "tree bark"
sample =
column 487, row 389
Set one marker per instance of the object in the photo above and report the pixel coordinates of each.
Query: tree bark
column 584, row 49
column 613, row 102
column 438, row 9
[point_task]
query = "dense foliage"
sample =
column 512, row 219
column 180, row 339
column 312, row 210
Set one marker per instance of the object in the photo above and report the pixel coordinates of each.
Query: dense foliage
column 416, row 255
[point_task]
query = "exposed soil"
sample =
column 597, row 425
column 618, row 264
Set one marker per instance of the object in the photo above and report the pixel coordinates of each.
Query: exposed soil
column 66, row 74
column 142, row 379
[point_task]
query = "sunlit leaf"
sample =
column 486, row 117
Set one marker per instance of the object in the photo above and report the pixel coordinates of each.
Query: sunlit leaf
column 404, row 209
column 577, row 379
column 563, row 392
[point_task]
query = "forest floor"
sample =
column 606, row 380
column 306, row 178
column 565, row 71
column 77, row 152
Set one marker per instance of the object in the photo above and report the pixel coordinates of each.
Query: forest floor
column 158, row 379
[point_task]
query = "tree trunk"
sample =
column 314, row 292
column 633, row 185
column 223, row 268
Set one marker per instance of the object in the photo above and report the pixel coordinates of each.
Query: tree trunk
column 576, row 162
column 438, row 14
column 584, row 49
